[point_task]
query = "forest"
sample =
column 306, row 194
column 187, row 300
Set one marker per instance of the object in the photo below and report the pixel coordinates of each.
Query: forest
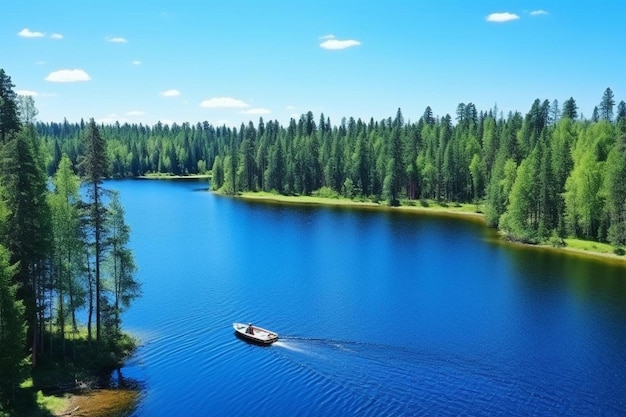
column 545, row 175
column 541, row 176
column 66, row 272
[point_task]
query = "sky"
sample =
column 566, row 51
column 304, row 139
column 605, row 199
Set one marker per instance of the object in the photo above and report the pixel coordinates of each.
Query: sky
column 231, row 62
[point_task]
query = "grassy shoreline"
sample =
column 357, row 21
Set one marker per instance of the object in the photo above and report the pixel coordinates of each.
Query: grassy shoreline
column 468, row 211
column 471, row 212
column 160, row 176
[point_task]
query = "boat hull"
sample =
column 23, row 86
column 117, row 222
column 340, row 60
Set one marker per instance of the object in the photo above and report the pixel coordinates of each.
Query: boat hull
column 260, row 336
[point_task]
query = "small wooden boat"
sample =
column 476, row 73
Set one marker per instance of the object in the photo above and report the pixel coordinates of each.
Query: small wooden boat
column 255, row 334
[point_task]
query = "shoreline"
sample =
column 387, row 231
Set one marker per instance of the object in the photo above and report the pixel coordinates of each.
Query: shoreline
column 462, row 211
column 100, row 403
column 466, row 211
column 172, row 177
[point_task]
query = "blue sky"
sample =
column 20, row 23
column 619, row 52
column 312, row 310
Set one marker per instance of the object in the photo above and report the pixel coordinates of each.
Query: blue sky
column 235, row 61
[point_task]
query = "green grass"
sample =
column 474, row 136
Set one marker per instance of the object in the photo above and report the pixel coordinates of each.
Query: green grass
column 336, row 200
column 43, row 395
column 589, row 246
column 166, row 176
column 52, row 403
column 304, row 199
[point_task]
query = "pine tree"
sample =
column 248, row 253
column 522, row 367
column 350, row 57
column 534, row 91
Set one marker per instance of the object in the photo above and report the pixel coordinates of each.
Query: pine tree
column 606, row 105
column 93, row 166
column 555, row 112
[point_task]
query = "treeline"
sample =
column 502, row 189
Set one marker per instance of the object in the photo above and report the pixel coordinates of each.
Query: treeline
column 63, row 252
column 550, row 173
column 135, row 150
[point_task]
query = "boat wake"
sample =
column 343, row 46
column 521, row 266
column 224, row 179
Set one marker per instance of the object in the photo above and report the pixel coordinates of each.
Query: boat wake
column 372, row 379
column 290, row 346
column 379, row 379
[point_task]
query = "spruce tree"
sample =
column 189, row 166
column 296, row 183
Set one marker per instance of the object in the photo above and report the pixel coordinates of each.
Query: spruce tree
column 570, row 109
column 28, row 228
column 9, row 114
column 13, row 365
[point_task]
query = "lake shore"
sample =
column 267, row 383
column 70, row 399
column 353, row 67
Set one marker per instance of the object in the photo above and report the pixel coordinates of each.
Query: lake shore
column 173, row 177
column 99, row 403
column 467, row 211
column 471, row 212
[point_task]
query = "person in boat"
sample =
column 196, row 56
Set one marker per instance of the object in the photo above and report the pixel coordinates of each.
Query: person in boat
column 250, row 329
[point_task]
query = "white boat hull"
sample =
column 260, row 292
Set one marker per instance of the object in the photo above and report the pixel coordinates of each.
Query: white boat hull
column 259, row 334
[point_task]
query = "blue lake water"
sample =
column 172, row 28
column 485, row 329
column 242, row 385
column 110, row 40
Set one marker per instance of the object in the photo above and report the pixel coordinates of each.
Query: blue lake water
column 380, row 314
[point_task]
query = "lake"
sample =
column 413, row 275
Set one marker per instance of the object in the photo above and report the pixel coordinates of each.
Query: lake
column 379, row 313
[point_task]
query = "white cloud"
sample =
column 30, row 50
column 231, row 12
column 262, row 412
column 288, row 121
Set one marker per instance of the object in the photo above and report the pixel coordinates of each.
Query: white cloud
column 135, row 113
column 40, row 62
column 502, row 17
column 27, row 33
column 170, row 93
column 538, row 12
column 68, row 76
column 115, row 39
column 27, row 93
column 290, row 107
column 223, row 102
column 329, row 36
column 56, row 36
column 136, row 62
column 257, row 110
column 336, row 44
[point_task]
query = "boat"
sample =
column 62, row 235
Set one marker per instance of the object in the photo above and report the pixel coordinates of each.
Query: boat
column 256, row 334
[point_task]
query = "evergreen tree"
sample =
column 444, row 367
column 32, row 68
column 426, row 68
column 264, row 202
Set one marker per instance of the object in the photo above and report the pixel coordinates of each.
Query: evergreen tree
column 121, row 262
column 606, row 105
column 595, row 115
column 615, row 193
column 562, row 141
column 276, row 168
column 217, row 180
column 93, row 166
column 570, row 109
column 13, row 365
column 555, row 112
column 393, row 178
column 620, row 119
column 28, row 225
column 9, row 115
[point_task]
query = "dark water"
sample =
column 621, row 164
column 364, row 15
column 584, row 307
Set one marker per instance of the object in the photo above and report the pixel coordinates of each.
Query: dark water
column 379, row 314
